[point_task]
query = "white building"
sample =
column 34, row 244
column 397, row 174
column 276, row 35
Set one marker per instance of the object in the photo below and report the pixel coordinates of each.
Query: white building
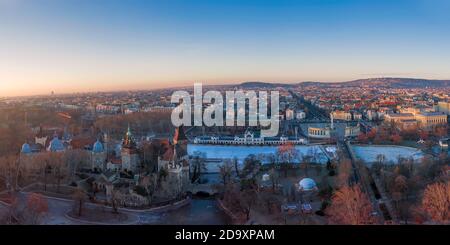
column 319, row 132
column 300, row 115
column 105, row 108
column 352, row 131
column 289, row 114
column 248, row 138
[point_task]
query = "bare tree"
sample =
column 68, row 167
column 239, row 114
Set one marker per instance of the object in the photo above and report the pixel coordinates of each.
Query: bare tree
column 115, row 199
column 44, row 162
column 274, row 177
column 197, row 166
column 75, row 159
column 236, row 165
column 248, row 199
column 9, row 171
column 79, row 198
column 59, row 169
column 350, row 206
column 37, row 206
column 344, row 173
column 436, row 202
column 225, row 171
column 286, row 154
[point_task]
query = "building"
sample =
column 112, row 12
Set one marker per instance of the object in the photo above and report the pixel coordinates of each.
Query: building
column 346, row 115
column 356, row 115
column 174, row 160
column 159, row 109
column 300, row 115
column 398, row 117
column 319, row 132
column 98, row 156
column 108, row 109
column 431, row 119
column 352, row 131
column 341, row 115
column 56, row 145
column 114, row 164
column 420, row 119
column 444, row 107
column 370, row 115
column 249, row 138
column 406, row 125
column 417, row 109
column 131, row 110
column 289, row 114
column 40, row 137
column 168, row 164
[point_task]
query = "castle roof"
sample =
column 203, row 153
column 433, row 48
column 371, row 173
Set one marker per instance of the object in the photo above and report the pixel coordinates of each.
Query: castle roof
column 98, row 147
column 55, row 145
column 26, row 149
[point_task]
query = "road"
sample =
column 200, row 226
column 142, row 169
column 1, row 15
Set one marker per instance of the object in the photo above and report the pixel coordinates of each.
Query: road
column 198, row 212
column 314, row 112
column 364, row 182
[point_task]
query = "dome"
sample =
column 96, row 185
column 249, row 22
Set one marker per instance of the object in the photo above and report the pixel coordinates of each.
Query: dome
column 26, row 149
column 307, row 184
column 98, row 147
column 55, row 145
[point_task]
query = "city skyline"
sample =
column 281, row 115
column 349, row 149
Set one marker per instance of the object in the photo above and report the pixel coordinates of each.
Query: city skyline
column 74, row 46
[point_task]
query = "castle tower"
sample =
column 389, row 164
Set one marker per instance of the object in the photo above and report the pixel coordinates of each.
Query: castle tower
column 332, row 121
column 40, row 137
column 180, row 142
column 179, row 136
column 106, row 142
column 129, row 154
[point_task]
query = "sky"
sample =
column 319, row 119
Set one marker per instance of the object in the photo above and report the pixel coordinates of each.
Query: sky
column 104, row 45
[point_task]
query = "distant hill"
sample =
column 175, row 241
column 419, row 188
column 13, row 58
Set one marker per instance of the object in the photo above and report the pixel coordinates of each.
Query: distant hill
column 248, row 85
column 399, row 82
column 386, row 82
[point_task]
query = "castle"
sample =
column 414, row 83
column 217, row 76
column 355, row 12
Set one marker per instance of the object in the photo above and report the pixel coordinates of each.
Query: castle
column 125, row 166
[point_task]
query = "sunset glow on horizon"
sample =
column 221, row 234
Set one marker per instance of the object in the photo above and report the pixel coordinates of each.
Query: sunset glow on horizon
column 86, row 46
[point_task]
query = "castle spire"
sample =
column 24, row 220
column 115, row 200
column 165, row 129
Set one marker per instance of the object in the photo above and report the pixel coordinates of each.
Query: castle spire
column 179, row 135
column 128, row 142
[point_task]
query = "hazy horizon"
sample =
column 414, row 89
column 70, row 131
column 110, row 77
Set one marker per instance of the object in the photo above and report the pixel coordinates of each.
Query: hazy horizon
column 128, row 87
column 74, row 46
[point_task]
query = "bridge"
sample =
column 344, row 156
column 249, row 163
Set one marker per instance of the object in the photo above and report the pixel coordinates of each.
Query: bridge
column 202, row 188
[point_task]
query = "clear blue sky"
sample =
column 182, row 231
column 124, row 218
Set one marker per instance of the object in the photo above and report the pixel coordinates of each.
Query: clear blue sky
column 86, row 45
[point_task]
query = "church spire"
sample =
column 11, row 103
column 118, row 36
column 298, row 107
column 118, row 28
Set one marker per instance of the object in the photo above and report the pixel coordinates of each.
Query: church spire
column 129, row 130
